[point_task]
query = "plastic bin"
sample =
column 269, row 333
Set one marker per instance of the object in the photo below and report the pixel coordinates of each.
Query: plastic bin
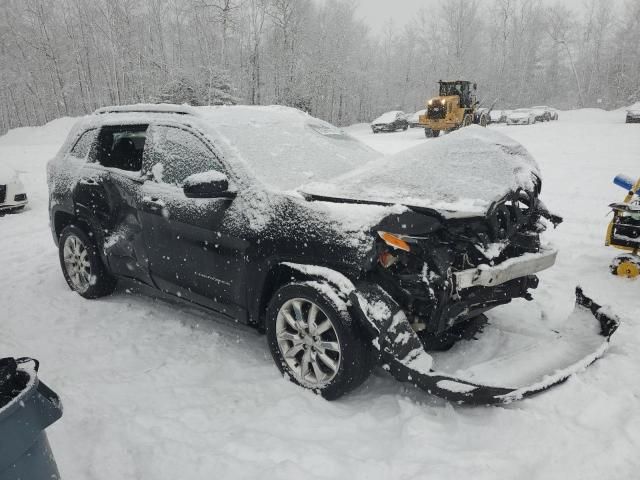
column 27, row 408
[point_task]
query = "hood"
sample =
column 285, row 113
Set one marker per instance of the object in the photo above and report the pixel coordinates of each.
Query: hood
column 462, row 173
column 519, row 115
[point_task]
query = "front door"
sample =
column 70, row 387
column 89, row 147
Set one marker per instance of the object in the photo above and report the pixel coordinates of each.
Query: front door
column 108, row 197
column 189, row 254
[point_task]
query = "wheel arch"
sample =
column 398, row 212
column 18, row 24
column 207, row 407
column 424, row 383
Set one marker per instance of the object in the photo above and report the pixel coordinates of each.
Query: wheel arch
column 282, row 273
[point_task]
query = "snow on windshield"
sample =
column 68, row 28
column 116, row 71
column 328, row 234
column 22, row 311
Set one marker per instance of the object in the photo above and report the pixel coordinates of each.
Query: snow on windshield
column 284, row 147
column 464, row 171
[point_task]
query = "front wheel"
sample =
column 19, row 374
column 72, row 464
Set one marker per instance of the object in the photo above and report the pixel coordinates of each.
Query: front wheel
column 82, row 266
column 315, row 343
column 467, row 120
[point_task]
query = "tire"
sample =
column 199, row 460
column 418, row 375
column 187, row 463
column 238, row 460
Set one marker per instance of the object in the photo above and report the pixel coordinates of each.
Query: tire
column 467, row 120
column 435, row 133
column 483, row 121
column 428, row 132
column 96, row 281
column 405, row 128
column 353, row 360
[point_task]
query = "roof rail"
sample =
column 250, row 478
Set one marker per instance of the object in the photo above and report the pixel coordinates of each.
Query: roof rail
column 148, row 108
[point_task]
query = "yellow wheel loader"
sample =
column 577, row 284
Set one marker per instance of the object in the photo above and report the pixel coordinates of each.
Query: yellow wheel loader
column 456, row 106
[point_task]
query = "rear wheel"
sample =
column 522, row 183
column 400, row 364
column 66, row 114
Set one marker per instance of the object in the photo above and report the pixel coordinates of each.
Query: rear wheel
column 82, row 266
column 315, row 343
column 467, row 120
column 483, row 120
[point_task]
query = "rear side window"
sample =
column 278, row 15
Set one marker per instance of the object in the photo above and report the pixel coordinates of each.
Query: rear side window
column 173, row 154
column 84, row 144
column 121, row 147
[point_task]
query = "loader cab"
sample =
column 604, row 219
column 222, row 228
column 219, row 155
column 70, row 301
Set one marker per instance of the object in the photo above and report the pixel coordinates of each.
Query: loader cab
column 463, row 89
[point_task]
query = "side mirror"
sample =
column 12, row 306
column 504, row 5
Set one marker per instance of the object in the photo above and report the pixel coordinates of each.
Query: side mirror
column 209, row 184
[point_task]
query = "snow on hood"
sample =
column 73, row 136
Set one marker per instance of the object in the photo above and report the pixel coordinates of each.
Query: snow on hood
column 388, row 117
column 466, row 171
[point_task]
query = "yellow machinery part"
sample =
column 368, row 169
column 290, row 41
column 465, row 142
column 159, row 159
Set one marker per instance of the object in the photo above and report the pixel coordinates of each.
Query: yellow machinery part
column 628, row 269
column 608, row 240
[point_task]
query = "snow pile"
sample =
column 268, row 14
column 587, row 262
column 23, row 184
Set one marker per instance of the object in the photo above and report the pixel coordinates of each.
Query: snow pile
column 464, row 171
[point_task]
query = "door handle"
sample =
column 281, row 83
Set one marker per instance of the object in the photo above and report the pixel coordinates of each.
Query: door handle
column 153, row 205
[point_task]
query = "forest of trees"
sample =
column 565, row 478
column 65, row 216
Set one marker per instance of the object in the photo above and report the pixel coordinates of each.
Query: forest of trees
column 69, row 57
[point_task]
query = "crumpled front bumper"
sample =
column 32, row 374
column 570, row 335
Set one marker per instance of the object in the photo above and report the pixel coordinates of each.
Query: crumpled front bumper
column 403, row 355
column 490, row 276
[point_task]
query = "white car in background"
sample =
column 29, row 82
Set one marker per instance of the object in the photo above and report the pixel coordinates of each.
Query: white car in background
column 498, row 116
column 521, row 116
column 414, row 118
column 13, row 196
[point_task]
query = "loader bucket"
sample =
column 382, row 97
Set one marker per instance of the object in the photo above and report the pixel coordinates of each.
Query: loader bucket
column 502, row 365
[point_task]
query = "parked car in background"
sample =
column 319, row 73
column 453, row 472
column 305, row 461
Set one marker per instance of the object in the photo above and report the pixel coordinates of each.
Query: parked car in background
column 545, row 113
column 633, row 114
column 521, row 116
column 390, row 122
column 13, row 196
column 541, row 113
column 498, row 116
column 414, row 119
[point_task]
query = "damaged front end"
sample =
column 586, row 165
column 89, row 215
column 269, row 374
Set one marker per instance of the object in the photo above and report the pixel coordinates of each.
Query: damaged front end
column 445, row 268
column 525, row 363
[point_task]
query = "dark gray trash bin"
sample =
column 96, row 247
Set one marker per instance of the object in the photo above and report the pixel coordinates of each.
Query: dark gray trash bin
column 27, row 407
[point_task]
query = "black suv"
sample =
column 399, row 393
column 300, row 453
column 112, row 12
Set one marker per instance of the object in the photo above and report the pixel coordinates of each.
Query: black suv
column 271, row 217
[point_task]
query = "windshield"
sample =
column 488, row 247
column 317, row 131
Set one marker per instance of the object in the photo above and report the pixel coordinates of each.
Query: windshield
column 285, row 148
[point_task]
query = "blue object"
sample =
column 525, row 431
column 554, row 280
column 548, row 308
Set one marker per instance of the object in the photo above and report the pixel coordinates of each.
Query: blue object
column 624, row 181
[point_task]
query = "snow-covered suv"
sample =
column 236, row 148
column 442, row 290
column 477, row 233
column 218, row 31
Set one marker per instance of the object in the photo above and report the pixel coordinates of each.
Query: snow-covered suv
column 13, row 196
column 274, row 218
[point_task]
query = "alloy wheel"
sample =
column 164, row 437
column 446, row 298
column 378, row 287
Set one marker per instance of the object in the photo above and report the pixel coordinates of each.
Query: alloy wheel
column 76, row 262
column 308, row 342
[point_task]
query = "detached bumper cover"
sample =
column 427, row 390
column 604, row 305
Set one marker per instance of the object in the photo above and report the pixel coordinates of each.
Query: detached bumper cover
column 591, row 328
column 487, row 276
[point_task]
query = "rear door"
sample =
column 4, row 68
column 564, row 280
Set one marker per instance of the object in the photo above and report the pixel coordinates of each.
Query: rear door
column 108, row 197
column 190, row 253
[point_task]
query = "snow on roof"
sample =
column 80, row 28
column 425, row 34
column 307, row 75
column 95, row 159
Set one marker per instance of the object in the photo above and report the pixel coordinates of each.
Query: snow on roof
column 465, row 171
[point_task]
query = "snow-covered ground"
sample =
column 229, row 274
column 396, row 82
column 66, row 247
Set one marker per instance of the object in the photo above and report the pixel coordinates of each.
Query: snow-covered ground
column 156, row 390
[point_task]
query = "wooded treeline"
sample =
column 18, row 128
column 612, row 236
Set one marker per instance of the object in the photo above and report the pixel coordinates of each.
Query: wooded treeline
column 68, row 57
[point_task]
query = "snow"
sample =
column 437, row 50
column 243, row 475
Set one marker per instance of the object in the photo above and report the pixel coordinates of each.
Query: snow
column 209, row 176
column 154, row 389
column 465, row 171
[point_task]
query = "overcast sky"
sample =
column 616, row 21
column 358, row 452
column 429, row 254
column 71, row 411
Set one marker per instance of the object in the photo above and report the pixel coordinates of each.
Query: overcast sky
column 376, row 13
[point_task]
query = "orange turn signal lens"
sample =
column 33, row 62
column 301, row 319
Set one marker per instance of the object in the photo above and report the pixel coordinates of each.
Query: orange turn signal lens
column 394, row 241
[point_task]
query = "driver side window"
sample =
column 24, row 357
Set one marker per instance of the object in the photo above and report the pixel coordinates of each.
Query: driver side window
column 173, row 154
